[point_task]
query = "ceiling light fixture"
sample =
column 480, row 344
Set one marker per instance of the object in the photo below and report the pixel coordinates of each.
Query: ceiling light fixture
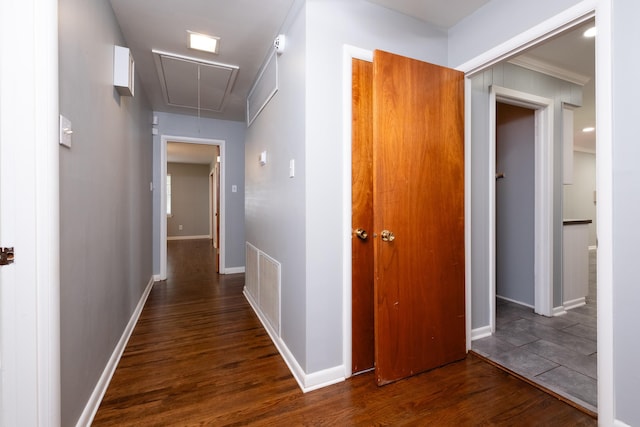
column 591, row 32
column 588, row 129
column 203, row 42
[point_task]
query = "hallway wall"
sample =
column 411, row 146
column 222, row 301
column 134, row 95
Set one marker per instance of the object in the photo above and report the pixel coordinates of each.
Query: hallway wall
column 105, row 202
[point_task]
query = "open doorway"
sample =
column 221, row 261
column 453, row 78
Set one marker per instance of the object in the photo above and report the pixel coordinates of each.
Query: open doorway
column 559, row 350
column 193, row 151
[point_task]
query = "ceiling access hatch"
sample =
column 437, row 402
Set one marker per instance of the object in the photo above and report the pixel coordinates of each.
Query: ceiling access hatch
column 194, row 83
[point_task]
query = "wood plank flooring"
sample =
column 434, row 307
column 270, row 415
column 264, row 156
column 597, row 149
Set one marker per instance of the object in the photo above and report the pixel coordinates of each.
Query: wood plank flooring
column 199, row 356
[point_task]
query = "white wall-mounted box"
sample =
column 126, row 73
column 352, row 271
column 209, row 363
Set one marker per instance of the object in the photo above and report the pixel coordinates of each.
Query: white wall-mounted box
column 123, row 71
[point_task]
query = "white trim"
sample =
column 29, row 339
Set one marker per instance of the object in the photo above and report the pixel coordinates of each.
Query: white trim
column 543, row 229
column 30, row 311
column 604, row 211
column 467, row 212
column 543, row 67
column 544, row 31
column 157, row 278
column 593, row 248
column 482, row 332
column 618, row 423
column 201, row 237
column 514, row 301
column 348, row 54
column 574, row 303
column 164, row 139
column 559, row 311
column 234, row 270
column 306, row 382
column 583, row 149
column 90, row 409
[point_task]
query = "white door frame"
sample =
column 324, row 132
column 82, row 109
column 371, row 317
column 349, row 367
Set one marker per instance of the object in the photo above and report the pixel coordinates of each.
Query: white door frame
column 543, row 205
column 571, row 17
column 29, row 215
column 164, row 139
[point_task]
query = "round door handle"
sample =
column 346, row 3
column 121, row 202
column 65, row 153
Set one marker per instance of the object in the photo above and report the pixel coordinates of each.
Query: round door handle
column 362, row 234
column 387, row 236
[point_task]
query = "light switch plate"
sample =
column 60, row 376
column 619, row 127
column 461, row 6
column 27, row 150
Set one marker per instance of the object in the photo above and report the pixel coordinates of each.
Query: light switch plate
column 65, row 131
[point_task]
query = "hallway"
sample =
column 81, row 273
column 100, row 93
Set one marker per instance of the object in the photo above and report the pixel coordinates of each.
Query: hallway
column 199, row 355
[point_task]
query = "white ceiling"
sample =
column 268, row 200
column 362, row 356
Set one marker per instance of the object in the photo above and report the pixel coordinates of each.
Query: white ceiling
column 247, row 29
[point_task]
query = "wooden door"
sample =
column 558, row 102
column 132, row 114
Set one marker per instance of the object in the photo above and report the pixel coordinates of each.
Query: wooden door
column 362, row 349
column 418, row 187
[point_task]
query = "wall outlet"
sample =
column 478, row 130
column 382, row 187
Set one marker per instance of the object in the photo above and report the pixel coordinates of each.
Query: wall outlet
column 180, row 227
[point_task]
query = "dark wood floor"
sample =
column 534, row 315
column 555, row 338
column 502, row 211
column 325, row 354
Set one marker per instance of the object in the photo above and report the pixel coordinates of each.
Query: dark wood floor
column 199, row 356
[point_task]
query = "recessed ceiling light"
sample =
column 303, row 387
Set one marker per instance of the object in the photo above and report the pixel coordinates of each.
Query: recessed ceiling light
column 591, row 32
column 203, row 42
column 588, row 129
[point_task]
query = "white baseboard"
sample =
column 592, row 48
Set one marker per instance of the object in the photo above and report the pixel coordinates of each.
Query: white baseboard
column 157, row 278
column 618, row 423
column 306, row 382
column 86, row 418
column 482, row 332
column 578, row 302
column 593, row 248
column 234, row 270
column 188, row 237
column 515, row 302
column 559, row 311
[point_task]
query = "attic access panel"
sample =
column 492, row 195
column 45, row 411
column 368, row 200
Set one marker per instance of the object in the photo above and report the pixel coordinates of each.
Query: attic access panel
column 193, row 83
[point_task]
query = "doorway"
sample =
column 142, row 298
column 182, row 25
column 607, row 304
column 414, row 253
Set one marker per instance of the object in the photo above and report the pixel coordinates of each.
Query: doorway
column 515, row 196
column 164, row 141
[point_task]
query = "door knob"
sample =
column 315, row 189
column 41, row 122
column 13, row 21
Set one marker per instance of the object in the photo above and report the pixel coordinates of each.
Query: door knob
column 387, row 236
column 362, row 235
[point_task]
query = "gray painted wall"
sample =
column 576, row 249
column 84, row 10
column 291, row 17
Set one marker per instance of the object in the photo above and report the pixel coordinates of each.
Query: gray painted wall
column 233, row 133
column 105, row 202
column 304, row 121
column 578, row 197
column 189, row 200
column 626, row 211
column 517, row 78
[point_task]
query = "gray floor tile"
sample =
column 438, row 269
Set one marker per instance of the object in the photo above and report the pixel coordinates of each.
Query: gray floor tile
column 578, row 344
column 516, row 333
column 490, row 346
column 524, row 362
column 585, row 319
column 583, row 331
column 573, row 383
column 585, row 365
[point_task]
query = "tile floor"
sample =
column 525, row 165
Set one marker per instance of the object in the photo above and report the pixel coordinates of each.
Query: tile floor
column 558, row 352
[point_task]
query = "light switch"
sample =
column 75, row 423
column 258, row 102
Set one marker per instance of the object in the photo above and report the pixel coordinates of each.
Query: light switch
column 65, row 131
column 234, row 188
column 263, row 158
column 292, row 168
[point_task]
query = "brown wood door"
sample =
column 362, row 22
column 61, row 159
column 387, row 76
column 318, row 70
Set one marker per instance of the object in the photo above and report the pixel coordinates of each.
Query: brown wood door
column 362, row 350
column 418, row 187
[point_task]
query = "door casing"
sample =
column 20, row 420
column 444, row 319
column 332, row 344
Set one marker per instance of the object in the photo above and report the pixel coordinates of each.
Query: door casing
column 543, row 216
column 164, row 139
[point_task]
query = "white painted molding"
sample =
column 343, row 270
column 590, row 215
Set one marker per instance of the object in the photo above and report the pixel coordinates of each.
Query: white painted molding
column 593, row 248
column 559, row 311
column 543, row 216
column 583, row 149
column 164, row 139
column 569, row 18
column 514, row 301
column 156, row 278
column 306, row 382
column 482, row 332
column 234, row 270
column 578, row 302
column 189, row 237
column 348, row 54
column 539, row 66
column 618, row 423
column 90, row 409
